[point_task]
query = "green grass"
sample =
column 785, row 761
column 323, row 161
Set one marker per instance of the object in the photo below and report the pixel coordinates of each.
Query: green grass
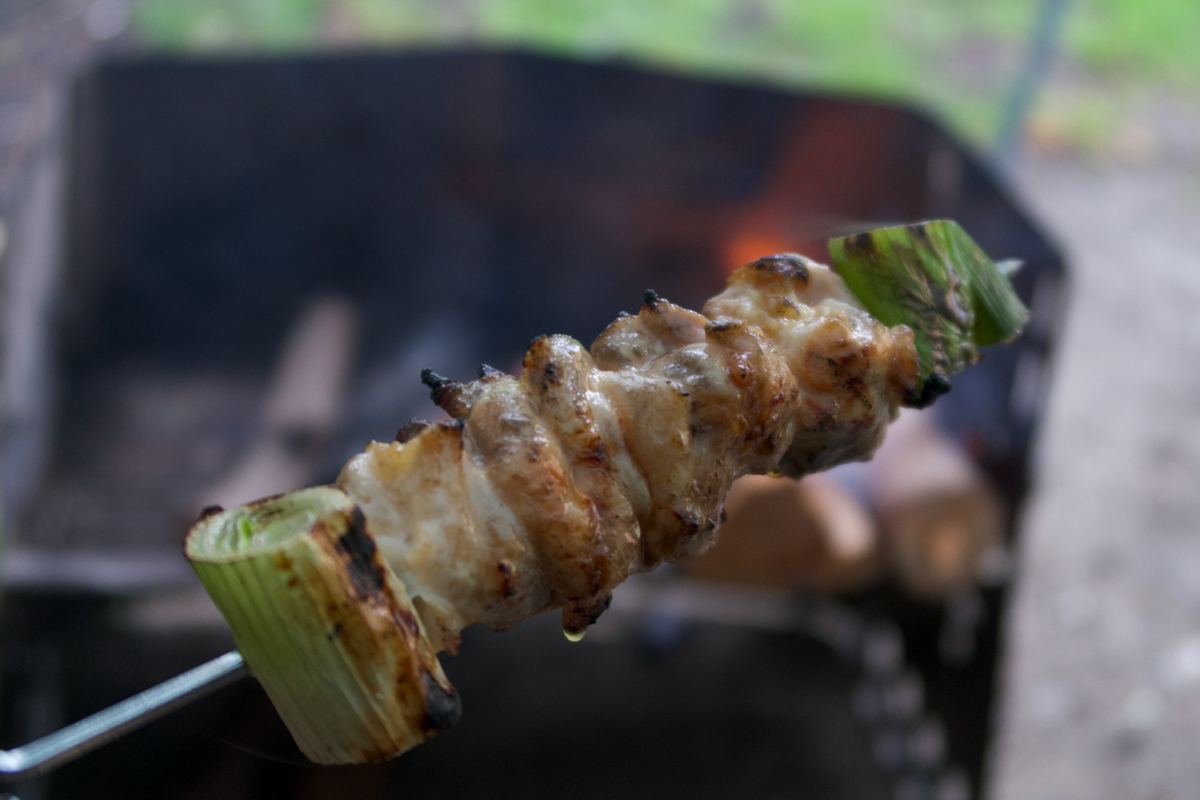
column 204, row 24
column 1156, row 41
column 956, row 57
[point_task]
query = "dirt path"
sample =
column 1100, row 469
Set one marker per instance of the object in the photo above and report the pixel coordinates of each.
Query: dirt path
column 1102, row 688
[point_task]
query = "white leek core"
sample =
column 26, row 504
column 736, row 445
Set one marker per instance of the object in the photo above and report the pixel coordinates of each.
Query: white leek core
column 324, row 624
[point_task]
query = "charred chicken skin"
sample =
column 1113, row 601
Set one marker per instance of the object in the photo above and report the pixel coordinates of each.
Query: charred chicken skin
column 547, row 490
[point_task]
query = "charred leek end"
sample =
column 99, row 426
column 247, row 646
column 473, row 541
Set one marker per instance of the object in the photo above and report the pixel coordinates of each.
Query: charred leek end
column 324, row 624
column 933, row 278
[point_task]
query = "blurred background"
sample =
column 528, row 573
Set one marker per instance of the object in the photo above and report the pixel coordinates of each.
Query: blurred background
column 1075, row 121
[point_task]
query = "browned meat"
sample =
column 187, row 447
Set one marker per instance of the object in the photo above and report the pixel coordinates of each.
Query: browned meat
column 549, row 489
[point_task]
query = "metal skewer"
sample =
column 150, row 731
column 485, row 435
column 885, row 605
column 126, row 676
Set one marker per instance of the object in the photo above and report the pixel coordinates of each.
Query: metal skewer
column 67, row 744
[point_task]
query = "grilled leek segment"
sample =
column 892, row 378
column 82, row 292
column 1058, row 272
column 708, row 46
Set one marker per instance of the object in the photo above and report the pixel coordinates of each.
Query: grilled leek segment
column 932, row 277
column 324, row 624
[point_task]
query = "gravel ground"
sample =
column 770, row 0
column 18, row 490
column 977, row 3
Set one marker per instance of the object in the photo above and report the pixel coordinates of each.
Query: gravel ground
column 1101, row 697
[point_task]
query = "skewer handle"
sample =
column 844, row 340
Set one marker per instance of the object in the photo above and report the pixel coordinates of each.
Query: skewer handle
column 67, row 744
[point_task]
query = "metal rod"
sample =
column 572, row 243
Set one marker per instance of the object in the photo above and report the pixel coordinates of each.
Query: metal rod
column 1038, row 62
column 55, row 749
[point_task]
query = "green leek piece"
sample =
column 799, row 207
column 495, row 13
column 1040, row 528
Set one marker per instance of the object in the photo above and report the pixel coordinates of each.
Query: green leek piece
column 324, row 624
column 932, row 277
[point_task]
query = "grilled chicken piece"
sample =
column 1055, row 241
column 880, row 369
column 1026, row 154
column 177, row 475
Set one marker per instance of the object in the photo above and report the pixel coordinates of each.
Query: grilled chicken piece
column 547, row 490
